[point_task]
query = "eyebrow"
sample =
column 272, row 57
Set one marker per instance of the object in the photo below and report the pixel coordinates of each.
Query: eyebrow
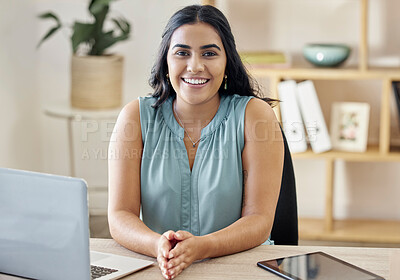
column 202, row 47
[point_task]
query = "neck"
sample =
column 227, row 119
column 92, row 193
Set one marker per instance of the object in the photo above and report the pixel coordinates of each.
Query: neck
column 198, row 115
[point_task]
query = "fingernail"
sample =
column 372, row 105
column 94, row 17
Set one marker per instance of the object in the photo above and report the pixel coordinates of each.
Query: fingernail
column 170, row 265
column 171, row 255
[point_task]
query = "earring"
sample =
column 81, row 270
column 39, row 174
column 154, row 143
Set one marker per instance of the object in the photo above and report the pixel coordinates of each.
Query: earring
column 226, row 83
column 167, row 78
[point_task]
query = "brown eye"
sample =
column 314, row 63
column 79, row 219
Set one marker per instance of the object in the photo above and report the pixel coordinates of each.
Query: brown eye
column 209, row 54
column 182, row 53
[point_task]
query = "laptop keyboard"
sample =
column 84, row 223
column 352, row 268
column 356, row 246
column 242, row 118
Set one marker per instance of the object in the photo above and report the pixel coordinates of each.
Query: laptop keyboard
column 99, row 271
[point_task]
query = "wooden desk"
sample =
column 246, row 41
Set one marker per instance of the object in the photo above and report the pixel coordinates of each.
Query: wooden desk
column 244, row 265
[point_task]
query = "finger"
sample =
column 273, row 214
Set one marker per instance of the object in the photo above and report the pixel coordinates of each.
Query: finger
column 182, row 235
column 164, row 271
column 177, row 270
column 162, row 262
column 164, row 247
column 162, row 266
column 165, row 275
column 175, row 262
column 176, row 267
column 169, row 234
column 179, row 250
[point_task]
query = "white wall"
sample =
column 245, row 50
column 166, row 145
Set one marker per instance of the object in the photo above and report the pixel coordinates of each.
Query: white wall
column 31, row 79
column 20, row 141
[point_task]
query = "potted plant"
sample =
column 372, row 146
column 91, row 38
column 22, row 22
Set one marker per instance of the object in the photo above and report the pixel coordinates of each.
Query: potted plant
column 96, row 77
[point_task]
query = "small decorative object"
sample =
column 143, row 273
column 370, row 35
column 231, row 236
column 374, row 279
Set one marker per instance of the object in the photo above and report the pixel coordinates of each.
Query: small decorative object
column 326, row 55
column 349, row 126
column 96, row 77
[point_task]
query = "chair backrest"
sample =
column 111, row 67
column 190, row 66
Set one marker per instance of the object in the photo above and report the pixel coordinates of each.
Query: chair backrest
column 285, row 228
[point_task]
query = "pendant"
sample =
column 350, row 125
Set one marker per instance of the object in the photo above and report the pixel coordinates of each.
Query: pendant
column 194, row 145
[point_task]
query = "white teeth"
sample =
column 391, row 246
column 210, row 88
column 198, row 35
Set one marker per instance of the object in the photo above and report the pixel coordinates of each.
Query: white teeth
column 195, row 81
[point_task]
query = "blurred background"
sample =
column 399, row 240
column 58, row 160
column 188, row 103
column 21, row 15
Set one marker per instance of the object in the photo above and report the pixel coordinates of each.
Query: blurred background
column 35, row 80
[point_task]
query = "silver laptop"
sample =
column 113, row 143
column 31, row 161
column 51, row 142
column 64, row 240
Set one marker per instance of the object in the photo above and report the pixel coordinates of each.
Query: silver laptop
column 44, row 231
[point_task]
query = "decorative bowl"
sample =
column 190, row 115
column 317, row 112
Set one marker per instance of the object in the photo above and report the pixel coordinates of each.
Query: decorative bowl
column 326, row 55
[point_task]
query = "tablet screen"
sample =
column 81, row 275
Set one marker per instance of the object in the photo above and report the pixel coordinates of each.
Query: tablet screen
column 316, row 266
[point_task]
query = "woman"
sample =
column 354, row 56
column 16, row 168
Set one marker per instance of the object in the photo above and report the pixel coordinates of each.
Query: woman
column 201, row 158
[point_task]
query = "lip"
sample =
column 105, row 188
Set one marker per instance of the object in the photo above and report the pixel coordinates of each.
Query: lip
column 197, row 78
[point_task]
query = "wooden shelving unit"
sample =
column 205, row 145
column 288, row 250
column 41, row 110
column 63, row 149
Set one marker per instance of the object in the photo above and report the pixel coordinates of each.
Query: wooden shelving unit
column 329, row 228
column 371, row 155
column 375, row 231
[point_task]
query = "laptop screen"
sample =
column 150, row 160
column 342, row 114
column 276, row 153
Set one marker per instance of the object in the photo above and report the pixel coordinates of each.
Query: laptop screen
column 43, row 226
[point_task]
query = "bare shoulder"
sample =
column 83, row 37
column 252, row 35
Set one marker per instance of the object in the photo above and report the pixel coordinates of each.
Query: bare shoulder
column 261, row 122
column 130, row 111
column 259, row 110
column 128, row 126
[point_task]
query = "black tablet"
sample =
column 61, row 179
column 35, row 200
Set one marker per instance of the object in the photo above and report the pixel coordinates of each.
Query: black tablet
column 316, row 266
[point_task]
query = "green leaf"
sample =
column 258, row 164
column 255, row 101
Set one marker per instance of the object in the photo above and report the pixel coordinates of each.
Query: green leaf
column 51, row 32
column 123, row 25
column 107, row 40
column 50, row 15
column 99, row 20
column 83, row 32
column 96, row 6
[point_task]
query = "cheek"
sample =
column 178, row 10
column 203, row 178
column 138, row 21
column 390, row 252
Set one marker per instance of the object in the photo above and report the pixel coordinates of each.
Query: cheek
column 173, row 75
column 174, row 68
column 220, row 73
column 220, row 69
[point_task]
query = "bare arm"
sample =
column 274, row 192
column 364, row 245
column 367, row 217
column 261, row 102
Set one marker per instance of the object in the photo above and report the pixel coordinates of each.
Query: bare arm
column 262, row 164
column 124, row 184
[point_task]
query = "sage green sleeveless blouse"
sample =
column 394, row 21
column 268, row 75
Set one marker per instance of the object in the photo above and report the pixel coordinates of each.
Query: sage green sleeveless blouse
column 206, row 198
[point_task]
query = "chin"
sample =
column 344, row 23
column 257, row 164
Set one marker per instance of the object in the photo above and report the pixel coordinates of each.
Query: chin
column 195, row 98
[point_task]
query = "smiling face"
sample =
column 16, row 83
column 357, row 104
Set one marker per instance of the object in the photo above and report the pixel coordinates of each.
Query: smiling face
column 196, row 63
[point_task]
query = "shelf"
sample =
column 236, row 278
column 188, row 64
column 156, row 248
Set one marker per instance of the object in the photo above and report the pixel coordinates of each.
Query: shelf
column 372, row 231
column 328, row 73
column 371, row 155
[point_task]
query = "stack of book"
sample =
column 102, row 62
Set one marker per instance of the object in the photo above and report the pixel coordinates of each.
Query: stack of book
column 266, row 59
column 300, row 108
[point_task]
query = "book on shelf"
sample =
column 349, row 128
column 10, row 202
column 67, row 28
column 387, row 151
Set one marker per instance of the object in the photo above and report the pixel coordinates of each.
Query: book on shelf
column 292, row 122
column 266, row 59
column 396, row 91
column 313, row 118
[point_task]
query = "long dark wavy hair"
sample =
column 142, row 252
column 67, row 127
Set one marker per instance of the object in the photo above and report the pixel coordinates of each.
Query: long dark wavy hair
column 239, row 81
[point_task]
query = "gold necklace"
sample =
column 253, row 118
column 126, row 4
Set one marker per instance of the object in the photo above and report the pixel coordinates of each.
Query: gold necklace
column 181, row 123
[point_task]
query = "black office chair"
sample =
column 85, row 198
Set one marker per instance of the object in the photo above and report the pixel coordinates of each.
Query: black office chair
column 285, row 228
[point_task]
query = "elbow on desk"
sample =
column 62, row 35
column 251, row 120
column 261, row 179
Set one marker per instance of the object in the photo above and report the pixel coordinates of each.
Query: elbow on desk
column 262, row 231
column 117, row 221
column 112, row 225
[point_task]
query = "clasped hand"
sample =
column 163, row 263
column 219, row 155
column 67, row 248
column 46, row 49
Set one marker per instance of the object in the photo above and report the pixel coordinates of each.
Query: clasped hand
column 176, row 251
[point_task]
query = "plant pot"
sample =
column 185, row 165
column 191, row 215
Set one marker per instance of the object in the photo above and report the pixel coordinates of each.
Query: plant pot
column 96, row 81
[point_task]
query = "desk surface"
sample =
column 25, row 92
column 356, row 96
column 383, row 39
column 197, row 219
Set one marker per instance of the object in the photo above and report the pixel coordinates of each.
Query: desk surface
column 243, row 265
column 382, row 261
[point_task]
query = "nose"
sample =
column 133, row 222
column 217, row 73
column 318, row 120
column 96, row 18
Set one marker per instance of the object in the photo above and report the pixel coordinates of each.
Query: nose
column 195, row 64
